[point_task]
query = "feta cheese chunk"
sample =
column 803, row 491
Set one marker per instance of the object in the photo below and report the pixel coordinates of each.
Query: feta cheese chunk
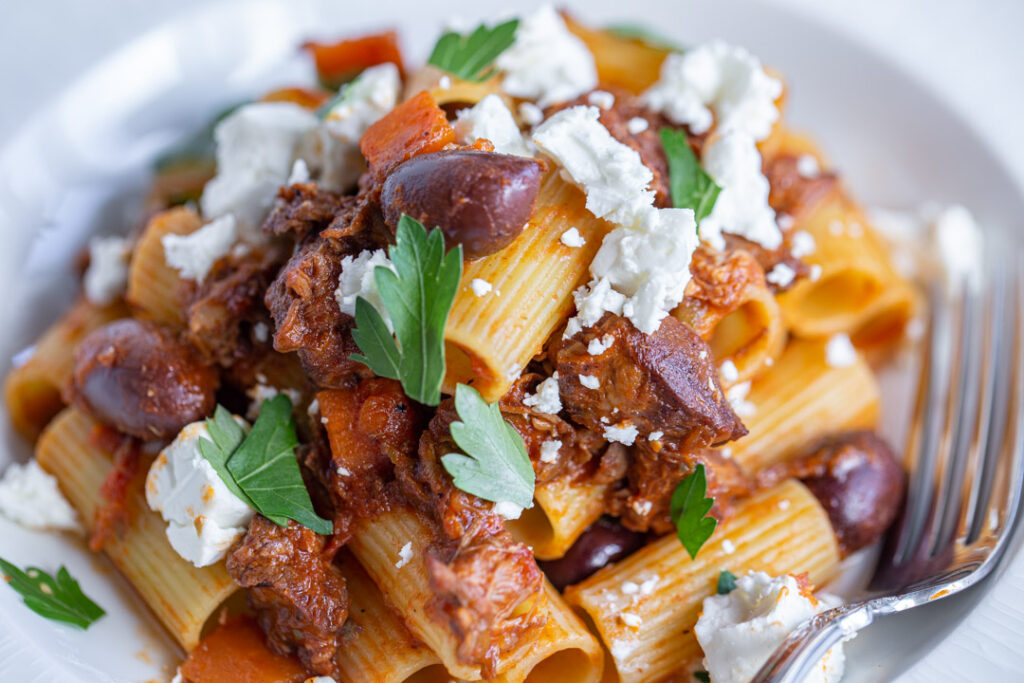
column 193, row 255
column 781, row 275
column 611, row 174
column 716, row 83
column 549, row 450
column 530, row 113
column 546, row 400
column 507, row 510
column 839, row 351
column 300, row 173
column 107, row 275
column 572, row 238
column 624, row 433
column 204, row 518
column 480, row 286
column 547, row 62
column 734, row 163
column 590, row 382
column 404, row 555
column 489, row 119
column 739, row 631
column 637, row 125
column 256, row 147
column 357, row 280
column 29, row 496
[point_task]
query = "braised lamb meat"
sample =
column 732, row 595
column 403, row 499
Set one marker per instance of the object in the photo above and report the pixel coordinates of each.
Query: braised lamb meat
column 298, row 595
column 662, row 382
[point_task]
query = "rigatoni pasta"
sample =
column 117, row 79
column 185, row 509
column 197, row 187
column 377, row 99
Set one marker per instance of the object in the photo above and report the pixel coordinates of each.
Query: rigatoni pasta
column 563, row 510
column 154, row 288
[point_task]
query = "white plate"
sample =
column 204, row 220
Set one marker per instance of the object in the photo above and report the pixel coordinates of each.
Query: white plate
column 82, row 164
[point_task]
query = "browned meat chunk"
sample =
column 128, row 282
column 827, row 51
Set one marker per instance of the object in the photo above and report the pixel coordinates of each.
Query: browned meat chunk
column 480, row 200
column 791, row 192
column 769, row 258
column 662, row 382
column 857, row 480
column 299, row 597
column 138, row 378
column 305, row 209
column 720, row 283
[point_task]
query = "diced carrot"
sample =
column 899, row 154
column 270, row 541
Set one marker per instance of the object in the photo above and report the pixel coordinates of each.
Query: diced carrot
column 236, row 652
column 339, row 62
column 417, row 126
column 309, row 98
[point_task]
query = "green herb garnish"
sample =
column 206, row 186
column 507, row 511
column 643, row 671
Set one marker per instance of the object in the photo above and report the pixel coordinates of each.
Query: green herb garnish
column 702, row 675
column 726, row 582
column 688, row 510
column 691, row 186
column 471, row 57
column 260, row 468
column 495, row 466
column 418, row 296
column 645, row 35
column 58, row 599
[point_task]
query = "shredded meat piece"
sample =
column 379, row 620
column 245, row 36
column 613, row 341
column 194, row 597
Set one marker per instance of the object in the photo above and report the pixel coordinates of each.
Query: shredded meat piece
column 305, row 208
column 665, row 381
column 488, row 587
column 298, row 595
column 791, row 193
column 720, row 283
column 226, row 306
column 769, row 258
column 114, row 489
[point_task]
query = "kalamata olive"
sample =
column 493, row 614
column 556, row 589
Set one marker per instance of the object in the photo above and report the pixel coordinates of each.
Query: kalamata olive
column 603, row 542
column 480, row 200
column 859, row 483
column 136, row 377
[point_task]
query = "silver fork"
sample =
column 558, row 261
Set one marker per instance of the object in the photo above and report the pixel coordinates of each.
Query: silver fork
column 965, row 453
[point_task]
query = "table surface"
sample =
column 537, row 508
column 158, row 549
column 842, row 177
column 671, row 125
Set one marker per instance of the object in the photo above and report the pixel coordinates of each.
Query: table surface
column 968, row 51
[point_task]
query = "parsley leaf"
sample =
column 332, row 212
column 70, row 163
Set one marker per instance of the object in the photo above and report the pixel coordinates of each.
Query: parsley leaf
column 265, row 468
column 645, row 35
column 689, row 508
column 702, row 675
column 418, row 298
column 57, row 599
column 226, row 435
column 726, row 582
column 496, row 467
column 470, row 57
column 691, row 187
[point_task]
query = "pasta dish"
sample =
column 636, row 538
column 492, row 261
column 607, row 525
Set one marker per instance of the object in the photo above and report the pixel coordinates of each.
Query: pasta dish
column 553, row 359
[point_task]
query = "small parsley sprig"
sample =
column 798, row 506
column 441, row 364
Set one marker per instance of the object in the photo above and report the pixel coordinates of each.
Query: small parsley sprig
column 57, row 598
column 495, row 466
column 471, row 57
column 726, row 582
column 418, row 296
column 689, row 508
column 260, row 468
column 690, row 185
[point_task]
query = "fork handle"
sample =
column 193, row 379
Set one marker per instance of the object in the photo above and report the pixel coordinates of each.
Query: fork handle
column 805, row 646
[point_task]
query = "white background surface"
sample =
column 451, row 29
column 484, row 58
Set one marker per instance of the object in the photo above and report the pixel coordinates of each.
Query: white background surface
column 970, row 52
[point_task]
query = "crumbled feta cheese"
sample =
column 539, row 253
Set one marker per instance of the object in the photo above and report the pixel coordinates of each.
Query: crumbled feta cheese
column 444, row 82
column 546, row 400
column 592, row 301
column 630, row 619
column 507, row 509
column 611, row 174
column 733, row 161
column 728, row 547
column 836, row 227
column 300, row 173
column 648, row 585
column 960, row 243
column 601, row 99
column 29, row 496
column 549, row 450
column 649, row 263
column 320, row 679
column 204, row 518
column 624, row 433
column 629, row 587
column 261, row 332
column 363, row 102
column 641, row 507
column 479, row 286
column 107, row 274
column 802, row 243
column 598, row 346
column 784, row 221
column 193, row 255
column 489, row 119
column 784, row 504
column 839, row 351
column 357, row 280
column 547, row 62
column 572, row 238
column 404, row 555
column 815, row 274
column 739, row 631
column 718, row 83
column 729, row 372
column 737, row 397
column 256, row 146
column 807, row 166
column 655, row 435
column 530, row 113
column 781, row 275
column 637, row 125
column 590, row 382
